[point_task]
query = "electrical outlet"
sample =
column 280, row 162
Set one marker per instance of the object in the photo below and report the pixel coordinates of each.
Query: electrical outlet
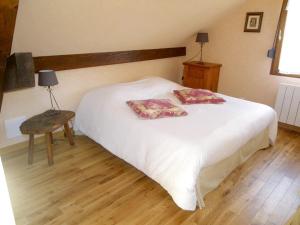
column 12, row 127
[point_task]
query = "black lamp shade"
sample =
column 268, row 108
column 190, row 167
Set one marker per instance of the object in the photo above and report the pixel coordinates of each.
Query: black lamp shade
column 202, row 38
column 47, row 78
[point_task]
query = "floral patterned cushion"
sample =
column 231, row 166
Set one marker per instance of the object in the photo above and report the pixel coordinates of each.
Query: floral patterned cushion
column 196, row 96
column 155, row 108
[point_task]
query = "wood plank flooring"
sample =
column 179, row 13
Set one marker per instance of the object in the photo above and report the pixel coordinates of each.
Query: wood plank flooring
column 87, row 185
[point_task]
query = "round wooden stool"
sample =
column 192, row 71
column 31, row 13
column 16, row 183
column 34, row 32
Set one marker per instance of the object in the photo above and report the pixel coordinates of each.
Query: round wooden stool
column 46, row 123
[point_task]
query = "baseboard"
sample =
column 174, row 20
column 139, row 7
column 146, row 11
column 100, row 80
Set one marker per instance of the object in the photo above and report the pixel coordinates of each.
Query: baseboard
column 289, row 127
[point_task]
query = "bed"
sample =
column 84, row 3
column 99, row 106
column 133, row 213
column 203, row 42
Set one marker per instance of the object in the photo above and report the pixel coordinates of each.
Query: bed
column 188, row 156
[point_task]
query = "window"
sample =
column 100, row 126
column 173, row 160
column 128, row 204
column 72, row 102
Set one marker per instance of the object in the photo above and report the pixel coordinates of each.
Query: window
column 287, row 46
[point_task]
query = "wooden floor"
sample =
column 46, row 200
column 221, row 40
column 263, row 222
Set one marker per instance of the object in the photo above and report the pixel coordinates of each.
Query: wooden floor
column 88, row 185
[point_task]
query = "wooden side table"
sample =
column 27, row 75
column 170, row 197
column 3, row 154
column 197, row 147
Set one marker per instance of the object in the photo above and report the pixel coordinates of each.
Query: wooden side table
column 201, row 75
column 46, row 123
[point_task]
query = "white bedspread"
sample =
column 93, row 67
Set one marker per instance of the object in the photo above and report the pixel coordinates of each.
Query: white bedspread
column 171, row 151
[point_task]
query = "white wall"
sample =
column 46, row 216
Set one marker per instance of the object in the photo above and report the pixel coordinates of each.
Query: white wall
column 51, row 27
column 245, row 71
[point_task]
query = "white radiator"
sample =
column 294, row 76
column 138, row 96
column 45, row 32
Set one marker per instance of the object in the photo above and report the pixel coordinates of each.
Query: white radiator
column 288, row 104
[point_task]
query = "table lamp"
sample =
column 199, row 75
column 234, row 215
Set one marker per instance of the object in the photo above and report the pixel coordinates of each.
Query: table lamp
column 202, row 38
column 47, row 78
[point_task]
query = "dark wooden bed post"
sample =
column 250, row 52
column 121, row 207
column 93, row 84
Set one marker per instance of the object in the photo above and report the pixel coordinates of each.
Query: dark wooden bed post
column 8, row 15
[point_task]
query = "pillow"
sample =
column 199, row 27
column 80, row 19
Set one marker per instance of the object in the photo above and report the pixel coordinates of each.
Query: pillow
column 155, row 108
column 196, row 96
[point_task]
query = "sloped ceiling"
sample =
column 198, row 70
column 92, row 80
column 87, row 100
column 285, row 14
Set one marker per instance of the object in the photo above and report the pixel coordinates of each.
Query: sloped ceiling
column 53, row 27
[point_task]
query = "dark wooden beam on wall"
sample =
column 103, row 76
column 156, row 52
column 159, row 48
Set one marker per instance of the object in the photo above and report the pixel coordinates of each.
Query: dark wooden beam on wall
column 67, row 62
column 8, row 14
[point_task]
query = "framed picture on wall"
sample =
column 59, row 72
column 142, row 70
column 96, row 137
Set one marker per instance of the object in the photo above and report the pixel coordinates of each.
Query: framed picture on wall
column 253, row 22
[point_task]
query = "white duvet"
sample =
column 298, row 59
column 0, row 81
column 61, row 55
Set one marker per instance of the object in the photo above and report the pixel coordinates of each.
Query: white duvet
column 171, row 151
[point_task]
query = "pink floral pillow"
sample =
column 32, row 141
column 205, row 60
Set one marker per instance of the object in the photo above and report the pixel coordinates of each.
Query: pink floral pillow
column 196, row 96
column 155, row 108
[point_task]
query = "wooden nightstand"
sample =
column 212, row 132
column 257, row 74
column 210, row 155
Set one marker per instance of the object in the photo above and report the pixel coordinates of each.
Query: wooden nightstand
column 46, row 123
column 204, row 76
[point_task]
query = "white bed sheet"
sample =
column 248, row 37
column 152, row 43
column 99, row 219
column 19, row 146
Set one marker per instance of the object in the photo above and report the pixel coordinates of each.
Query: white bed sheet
column 171, row 151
